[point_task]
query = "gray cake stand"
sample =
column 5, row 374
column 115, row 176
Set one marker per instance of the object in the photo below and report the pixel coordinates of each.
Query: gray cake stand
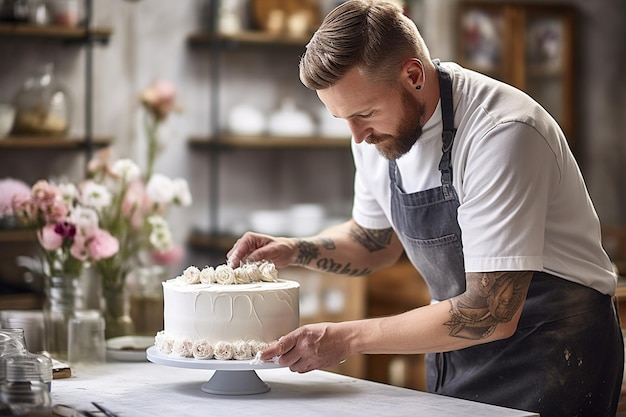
column 234, row 377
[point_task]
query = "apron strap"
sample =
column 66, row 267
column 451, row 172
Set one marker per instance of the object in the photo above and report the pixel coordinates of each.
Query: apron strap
column 449, row 131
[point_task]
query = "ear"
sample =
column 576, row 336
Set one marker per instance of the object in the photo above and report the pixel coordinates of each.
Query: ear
column 413, row 73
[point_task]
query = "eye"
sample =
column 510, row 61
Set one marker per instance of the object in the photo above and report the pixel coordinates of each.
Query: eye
column 366, row 115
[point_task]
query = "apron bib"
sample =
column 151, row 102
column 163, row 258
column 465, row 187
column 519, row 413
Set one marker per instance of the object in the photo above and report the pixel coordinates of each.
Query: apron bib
column 567, row 356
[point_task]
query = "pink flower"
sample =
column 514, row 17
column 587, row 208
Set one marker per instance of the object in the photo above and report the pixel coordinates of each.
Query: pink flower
column 23, row 207
column 136, row 203
column 102, row 245
column 9, row 190
column 49, row 238
column 159, row 98
column 168, row 256
column 79, row 249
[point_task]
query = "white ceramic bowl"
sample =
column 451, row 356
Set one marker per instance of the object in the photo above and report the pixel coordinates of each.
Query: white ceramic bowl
column 7, row 117
column 269, row 222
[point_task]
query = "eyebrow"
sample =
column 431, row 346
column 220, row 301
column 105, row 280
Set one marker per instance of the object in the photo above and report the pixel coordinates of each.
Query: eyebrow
column 359, row 113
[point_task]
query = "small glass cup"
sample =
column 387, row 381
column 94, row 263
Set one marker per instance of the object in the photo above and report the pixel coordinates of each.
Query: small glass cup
column 86, row 343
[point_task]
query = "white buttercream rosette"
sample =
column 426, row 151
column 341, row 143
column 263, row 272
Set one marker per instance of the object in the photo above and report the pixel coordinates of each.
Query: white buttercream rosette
column 183, row 348
column 202, row 349
column 225, row 275
column 207, row 275
column 223, row 351
column 191, row 275
column 163, row 343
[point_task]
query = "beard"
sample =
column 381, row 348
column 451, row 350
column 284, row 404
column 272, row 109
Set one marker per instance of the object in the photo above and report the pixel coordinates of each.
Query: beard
column 409, row 130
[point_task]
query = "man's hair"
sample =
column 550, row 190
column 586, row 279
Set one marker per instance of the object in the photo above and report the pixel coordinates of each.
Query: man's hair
column 373, row 35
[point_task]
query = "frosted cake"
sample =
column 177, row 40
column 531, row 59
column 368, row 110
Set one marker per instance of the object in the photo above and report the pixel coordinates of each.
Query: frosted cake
column 224, row 313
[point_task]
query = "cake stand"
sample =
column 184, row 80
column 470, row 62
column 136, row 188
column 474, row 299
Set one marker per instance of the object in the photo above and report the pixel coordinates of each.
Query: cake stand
column 234, row 377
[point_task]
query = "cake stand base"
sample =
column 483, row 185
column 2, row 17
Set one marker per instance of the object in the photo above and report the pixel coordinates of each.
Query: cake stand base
column 230, row 377
column 235, row 383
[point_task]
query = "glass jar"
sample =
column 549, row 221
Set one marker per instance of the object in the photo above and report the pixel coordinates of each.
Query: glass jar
column 42, row 105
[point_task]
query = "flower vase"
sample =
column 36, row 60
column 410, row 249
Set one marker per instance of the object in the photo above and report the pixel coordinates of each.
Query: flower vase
column 117, row 317
column 63, row 297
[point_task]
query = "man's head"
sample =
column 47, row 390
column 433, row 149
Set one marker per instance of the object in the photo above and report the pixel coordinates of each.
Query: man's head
column 373, row 35
column 365, row 62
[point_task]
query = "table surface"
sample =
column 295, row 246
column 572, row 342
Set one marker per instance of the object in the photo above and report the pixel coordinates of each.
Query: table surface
column 141, row 389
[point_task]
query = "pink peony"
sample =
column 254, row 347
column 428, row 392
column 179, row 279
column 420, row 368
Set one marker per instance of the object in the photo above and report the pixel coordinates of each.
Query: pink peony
column 79, row 248
column 168, row 256
column 102, row 245
column 49, row 238
column 11, row 189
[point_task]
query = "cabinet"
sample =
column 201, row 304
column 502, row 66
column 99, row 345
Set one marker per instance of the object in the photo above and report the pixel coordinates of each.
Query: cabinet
column 530, row 46
column 16, row 152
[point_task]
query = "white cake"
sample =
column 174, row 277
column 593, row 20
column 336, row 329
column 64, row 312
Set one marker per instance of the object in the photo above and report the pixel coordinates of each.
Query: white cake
column 224, row 313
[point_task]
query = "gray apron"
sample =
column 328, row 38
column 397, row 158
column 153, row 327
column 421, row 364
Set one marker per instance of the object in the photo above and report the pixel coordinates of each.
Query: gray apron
column 567, row 355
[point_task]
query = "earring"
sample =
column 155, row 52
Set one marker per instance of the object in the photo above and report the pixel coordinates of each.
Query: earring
column 418, row 87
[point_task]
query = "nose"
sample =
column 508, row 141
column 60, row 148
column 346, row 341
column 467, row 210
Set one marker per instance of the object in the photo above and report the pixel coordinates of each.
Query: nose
column 359, row 132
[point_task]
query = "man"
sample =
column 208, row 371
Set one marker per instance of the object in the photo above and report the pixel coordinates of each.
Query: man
column 476, row 183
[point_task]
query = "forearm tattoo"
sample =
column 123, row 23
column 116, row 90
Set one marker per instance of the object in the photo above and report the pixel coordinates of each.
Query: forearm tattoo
column 308, row 252
column 372, row 239
column 490, row 298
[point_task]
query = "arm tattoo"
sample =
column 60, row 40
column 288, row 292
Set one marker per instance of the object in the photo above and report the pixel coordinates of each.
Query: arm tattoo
column 491, row 298
column 307, row 251
column 371, row 239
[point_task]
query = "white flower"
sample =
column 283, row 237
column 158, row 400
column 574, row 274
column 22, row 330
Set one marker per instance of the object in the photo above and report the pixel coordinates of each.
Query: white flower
column 160, row 189
column 224, row 275
column 160, row 234
column 202, row 349
column 126, row 169
column 207, row 275
column 85, row 219
column 68, row 193
column 182, row 195
column 95, row 195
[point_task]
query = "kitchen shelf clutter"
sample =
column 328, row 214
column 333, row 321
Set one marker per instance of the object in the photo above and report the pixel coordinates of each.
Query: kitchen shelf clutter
column 527, row 45
column 228, row 32
column 57, row 143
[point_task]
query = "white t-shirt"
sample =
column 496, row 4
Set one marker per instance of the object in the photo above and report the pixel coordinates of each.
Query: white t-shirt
column 523, row 202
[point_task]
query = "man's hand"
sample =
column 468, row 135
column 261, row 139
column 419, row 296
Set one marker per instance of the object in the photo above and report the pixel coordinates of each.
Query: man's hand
column 310, row 347
column 257, row 247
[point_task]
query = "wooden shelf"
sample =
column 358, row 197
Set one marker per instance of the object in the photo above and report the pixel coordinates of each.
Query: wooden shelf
column 50, row 142
column 211, row 242
column 52, row 32
column 17, row 236
column 270, row 142
column 250, row 38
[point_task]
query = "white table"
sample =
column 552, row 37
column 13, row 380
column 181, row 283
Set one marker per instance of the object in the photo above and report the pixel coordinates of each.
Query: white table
column 141, row 389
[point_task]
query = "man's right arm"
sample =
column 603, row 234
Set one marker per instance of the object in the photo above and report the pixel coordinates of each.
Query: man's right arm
column 345, row 249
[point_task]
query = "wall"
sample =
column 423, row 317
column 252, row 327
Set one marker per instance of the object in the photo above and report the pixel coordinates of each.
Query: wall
column 149, row 41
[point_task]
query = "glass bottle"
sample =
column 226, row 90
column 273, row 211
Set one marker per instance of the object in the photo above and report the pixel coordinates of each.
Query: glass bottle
column 42, row 105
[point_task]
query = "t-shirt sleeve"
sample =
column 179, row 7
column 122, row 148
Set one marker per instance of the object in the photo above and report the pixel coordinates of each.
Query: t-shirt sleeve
column 506, row 189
